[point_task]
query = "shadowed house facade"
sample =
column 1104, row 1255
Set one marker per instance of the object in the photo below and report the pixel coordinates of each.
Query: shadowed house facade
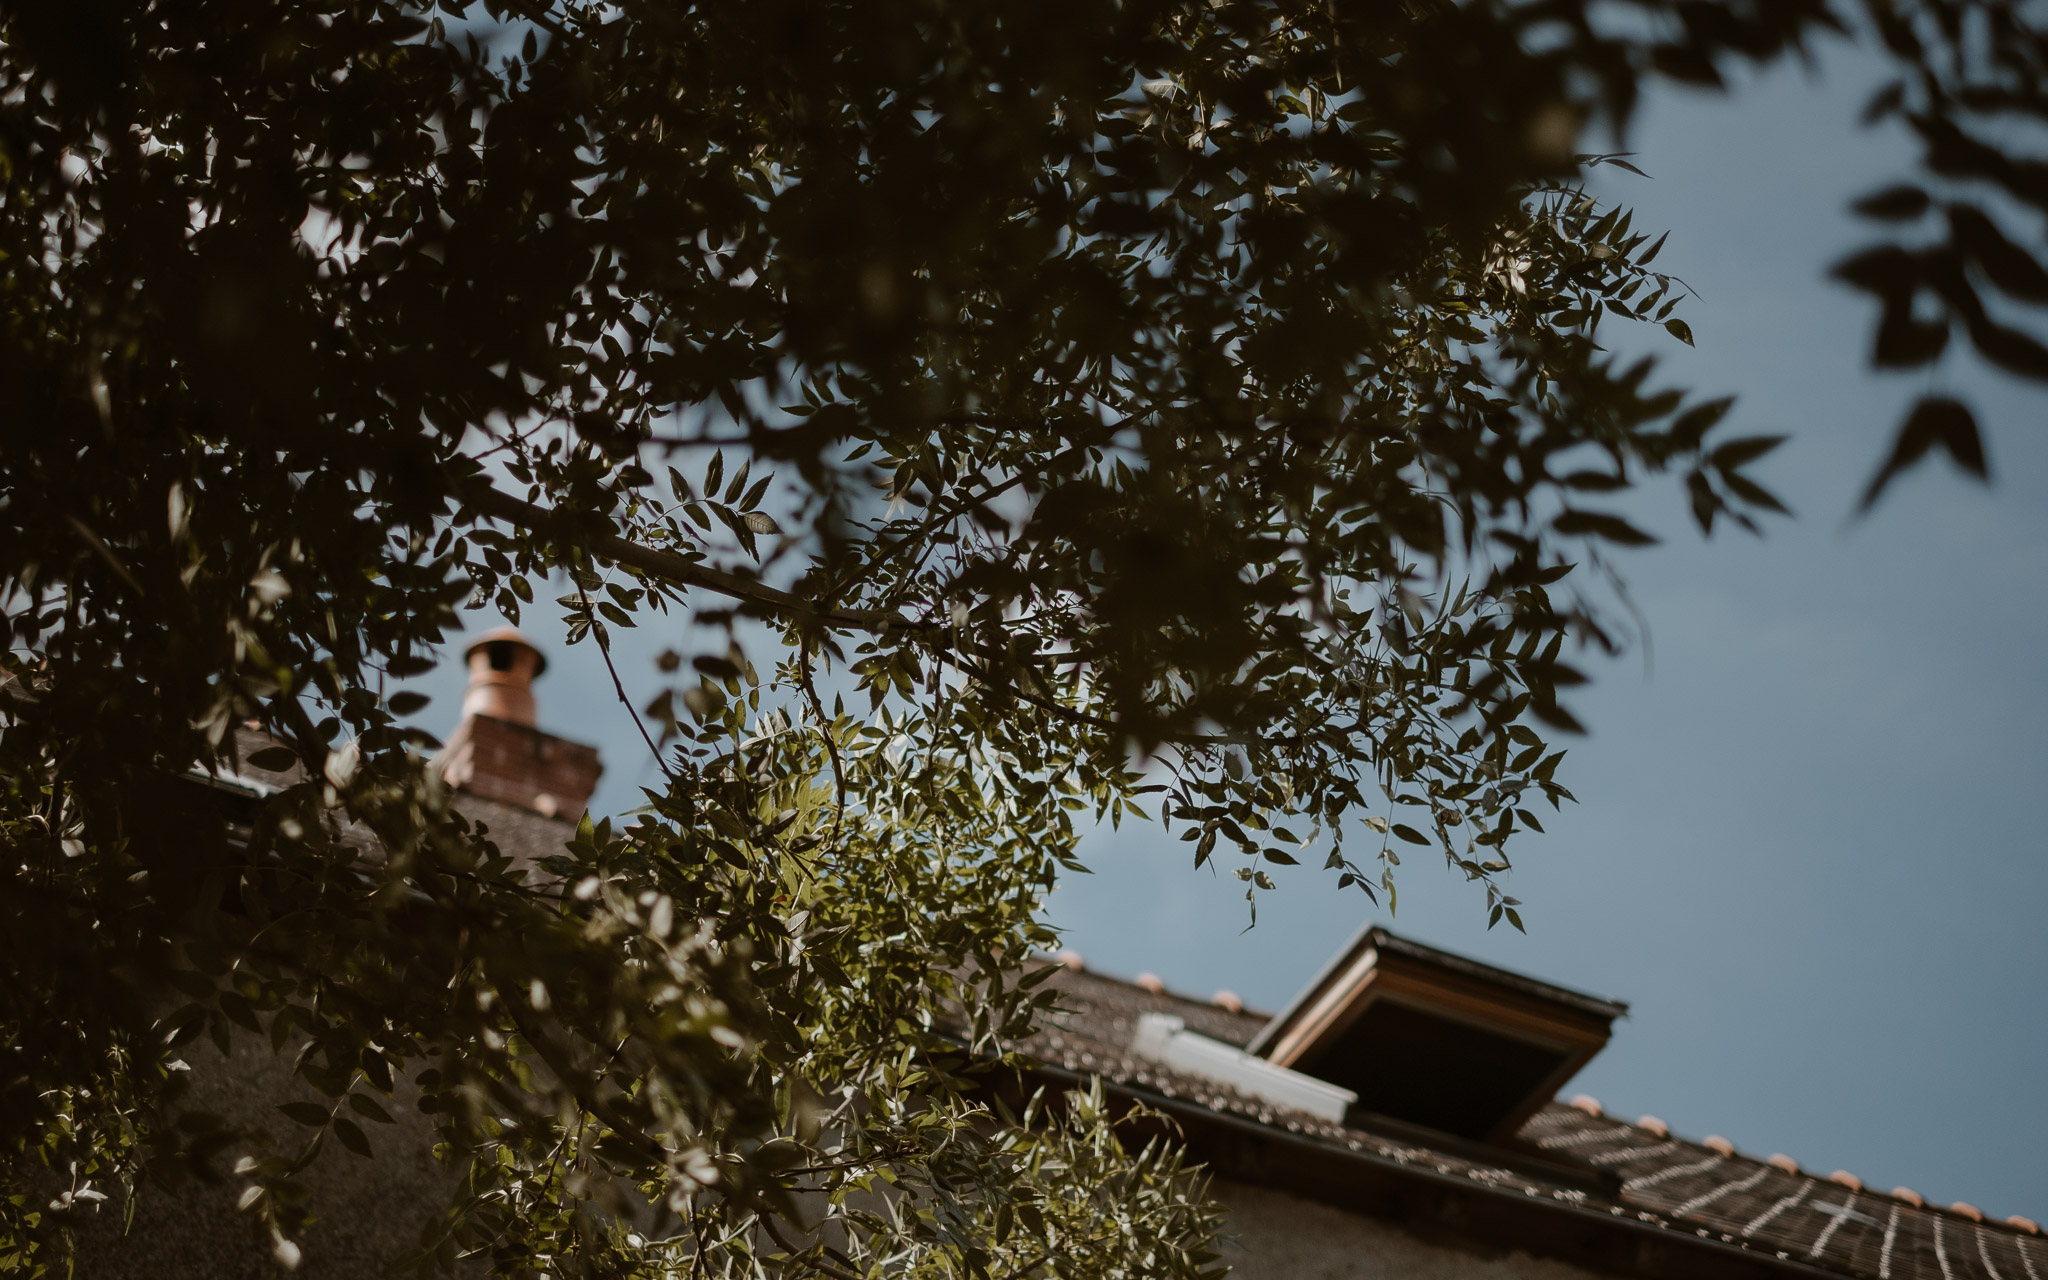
column 1397, row 1119
column 526, row 788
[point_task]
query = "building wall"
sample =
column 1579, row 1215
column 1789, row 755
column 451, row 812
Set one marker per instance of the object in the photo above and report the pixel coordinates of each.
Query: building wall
column 368, row 1213
column 1275, row 1236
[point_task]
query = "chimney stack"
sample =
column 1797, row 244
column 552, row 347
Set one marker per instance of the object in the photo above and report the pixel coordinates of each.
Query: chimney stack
column 497, row 751
column 502, row 668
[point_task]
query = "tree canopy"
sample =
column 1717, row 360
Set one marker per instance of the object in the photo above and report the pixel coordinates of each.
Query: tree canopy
column 1195, row 410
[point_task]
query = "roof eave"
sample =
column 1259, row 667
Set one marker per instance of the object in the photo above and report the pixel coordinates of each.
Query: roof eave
column 1240, row 1149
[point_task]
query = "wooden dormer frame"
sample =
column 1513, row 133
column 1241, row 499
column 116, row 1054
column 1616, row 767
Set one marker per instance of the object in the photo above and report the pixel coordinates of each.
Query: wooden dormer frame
column 1378, row 966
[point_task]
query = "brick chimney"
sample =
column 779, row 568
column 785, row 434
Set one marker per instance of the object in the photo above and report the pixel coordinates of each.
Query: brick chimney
column 497, row 752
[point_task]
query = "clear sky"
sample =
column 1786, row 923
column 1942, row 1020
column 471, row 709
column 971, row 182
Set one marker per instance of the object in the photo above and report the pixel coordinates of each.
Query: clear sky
column 1809, row 848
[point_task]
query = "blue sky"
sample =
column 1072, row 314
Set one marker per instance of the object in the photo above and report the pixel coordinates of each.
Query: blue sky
column 1806, row 851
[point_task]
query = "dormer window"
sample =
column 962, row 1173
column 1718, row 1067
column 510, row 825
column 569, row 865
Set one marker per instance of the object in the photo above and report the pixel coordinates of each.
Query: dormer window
column 1432, row 1039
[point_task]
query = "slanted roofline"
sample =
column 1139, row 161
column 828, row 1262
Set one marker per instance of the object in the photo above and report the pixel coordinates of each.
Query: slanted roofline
column 1376, row 938
column 1572, row 1182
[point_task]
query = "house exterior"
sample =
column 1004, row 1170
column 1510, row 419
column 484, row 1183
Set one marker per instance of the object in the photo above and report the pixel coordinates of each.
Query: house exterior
column 1564, row 1191
column 1398, row 1119
column 527, row 788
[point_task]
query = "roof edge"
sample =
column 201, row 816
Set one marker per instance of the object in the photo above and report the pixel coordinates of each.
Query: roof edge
column 1378, row 937
column 1645, row 1234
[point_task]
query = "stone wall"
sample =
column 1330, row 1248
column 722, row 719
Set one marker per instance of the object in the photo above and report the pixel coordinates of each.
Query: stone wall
column 1274, row 1236
column 369, row 1211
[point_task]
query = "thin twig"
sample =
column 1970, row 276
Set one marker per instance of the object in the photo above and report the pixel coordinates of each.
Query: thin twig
column 831, row 745
column 105, row 552
column 667, row 564
column 604, row 647
column 767, row 1222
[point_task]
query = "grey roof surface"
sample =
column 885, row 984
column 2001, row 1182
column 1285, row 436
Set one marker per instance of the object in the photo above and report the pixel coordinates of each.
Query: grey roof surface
column 1665, row 1182
column 520, row 834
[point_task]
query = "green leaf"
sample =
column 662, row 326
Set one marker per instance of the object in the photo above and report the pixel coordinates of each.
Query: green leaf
column 1679, row 329
column 407, row 702
column 1410, row 834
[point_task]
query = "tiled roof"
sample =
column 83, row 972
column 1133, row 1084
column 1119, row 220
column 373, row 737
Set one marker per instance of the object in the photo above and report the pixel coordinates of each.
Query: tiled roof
column 520, row 833
column 1768, row 1209
column 523, row 835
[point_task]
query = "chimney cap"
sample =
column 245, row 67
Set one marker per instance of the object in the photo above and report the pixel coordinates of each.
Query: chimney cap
column 497, row 635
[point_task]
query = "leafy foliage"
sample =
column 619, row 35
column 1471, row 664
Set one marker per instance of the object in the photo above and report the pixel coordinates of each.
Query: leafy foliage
column 1217, row 383
column 1971, row 75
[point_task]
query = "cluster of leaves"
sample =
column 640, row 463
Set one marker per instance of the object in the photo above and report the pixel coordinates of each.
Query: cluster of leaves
column 1217, row 380
column 1972, row 75
column 759, row 1027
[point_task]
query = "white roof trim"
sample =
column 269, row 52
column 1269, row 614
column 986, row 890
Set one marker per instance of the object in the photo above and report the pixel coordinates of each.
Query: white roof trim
column 1165, row 1039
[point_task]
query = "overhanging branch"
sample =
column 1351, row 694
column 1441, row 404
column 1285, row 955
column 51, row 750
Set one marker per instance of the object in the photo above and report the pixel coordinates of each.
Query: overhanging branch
column 675, row 568
column 769, row 600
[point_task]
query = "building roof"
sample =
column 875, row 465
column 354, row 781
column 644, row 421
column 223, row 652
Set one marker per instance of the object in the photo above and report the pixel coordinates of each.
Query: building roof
column 1572, row 1161
column 519, row 832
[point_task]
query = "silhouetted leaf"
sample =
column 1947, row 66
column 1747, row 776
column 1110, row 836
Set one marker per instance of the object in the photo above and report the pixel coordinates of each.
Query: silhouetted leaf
column 1894, row 204
column 1936, row 420
column 1596, row 524
column 408, row 702
column 274, row 759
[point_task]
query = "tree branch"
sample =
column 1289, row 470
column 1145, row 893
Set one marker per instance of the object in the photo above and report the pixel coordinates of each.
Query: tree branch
column 604, row 647
column 667, row 564
column 772, row 600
